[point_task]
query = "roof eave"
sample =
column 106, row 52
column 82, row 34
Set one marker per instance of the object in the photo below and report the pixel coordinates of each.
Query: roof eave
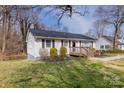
column 65, row 38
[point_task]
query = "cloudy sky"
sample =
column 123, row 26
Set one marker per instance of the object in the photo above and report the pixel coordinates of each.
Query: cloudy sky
column 75, row 24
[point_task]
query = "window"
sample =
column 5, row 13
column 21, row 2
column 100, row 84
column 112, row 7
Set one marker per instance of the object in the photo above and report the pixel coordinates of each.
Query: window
column 102, row 47
column 107, row 47
column 65, row 43
column 86, row 44
column 48, row 43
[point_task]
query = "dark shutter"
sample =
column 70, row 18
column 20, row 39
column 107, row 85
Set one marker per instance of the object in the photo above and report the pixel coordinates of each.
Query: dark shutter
column 43, row 45
column 53, row 43
column 62, row 42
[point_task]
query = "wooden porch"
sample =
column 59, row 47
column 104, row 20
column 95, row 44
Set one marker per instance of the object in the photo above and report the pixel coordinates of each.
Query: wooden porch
column 80, row 51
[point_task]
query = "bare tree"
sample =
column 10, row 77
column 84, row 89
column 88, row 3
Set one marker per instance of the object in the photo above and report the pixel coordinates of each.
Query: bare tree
column 61, row 11
column 112, row 15
column 25, row 17
column 9, row 38
column 5, row 13
column 99, row 28
column 91, row 33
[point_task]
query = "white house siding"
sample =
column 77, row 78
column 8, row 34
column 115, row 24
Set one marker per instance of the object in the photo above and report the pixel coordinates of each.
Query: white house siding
column 94, row 45
column 78, row 44
column 58, row 45
column 102, row 41
column 38, row 46
column 67, row 47
column 121, row 47
column 30, row 46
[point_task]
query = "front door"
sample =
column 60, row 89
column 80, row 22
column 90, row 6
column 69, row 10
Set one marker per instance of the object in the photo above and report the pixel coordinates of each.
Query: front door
column 73, row 44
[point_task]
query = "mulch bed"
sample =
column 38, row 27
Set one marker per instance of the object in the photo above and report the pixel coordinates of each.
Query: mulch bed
column 58, row 59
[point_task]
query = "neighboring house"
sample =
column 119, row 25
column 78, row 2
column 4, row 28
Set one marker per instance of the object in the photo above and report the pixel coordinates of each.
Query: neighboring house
column 37, row 40
column 106, row 43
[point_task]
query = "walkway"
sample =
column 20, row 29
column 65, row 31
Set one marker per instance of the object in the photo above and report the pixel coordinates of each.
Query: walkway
column 109, row 58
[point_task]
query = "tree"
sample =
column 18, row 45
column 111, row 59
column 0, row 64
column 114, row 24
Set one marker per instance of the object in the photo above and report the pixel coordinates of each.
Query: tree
column 91, row 33
column 61, row 11
column 99, row 28
column 5, row 13
column 25, row 17
column 112, row 15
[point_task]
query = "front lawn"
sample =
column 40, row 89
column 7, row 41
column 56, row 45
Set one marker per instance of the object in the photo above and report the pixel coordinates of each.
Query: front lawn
column 74, row 73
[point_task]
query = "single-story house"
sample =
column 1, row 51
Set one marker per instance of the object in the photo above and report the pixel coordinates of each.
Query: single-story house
column 42, row 39
column 106, row 43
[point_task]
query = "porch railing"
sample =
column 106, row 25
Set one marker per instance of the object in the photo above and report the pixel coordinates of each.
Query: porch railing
column 81, row 51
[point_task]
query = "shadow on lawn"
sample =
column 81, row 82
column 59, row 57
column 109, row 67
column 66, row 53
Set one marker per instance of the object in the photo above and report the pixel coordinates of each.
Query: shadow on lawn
column 65, row 74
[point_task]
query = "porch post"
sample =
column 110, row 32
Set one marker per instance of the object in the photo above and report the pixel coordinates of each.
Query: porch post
column 69, row 43
column 80, row 49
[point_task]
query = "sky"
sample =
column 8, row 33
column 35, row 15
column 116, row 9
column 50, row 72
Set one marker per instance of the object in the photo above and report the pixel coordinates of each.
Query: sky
column 75, row 24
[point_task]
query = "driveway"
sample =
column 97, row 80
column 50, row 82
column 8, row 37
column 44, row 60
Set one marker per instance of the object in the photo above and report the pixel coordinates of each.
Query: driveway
column 109, row 58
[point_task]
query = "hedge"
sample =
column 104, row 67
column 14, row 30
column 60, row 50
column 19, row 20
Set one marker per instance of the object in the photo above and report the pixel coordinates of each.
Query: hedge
column 53, row 53
column 113, row 51
column 63, row 52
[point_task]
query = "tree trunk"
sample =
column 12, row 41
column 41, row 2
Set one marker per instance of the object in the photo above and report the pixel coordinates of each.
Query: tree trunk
column 24, row 31
column 116, row 36
column 24, row 46
column 4, row 35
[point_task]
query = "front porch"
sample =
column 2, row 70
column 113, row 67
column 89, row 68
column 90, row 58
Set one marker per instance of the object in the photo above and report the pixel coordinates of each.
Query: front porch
column 81, row 52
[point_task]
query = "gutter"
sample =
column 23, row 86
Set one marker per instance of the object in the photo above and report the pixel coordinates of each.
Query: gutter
column 63, row 38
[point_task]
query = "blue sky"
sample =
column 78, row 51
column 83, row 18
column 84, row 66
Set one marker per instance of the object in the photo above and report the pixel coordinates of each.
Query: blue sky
column 75, row 24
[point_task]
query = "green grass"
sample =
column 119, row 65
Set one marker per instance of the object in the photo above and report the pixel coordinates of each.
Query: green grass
column 74, row 73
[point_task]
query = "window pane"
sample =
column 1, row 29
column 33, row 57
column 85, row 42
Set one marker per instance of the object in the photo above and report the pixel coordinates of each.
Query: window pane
column 102, row 47
column 65, row 43
column 107, row 46
column 86, row 44
column 48, row 43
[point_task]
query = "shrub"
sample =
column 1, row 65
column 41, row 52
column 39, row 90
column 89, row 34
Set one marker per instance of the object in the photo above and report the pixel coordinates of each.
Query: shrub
column 63, row 52
column 93, row 49
column 114, row 51
column 53, row 53
column 43, row 53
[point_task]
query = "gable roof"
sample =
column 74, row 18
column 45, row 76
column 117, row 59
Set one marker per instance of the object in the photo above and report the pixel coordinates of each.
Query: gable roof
column 111, row 38
column 57, row 34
